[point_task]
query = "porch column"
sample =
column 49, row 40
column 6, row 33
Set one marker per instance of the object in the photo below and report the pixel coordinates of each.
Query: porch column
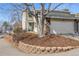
column 35, row 24
column 25, row 21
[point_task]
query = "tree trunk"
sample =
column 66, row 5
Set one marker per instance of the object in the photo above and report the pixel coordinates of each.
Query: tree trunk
column 47, row 25
column 41, row 21
column 40, row 25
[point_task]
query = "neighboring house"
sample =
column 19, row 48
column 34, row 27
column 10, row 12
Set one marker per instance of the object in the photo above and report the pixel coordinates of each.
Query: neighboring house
column 61, row 22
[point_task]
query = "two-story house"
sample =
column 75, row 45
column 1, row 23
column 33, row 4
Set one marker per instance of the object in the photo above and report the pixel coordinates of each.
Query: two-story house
column 61, row 22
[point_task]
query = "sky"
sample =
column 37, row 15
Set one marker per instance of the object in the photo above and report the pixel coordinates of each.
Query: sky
column 7, row 8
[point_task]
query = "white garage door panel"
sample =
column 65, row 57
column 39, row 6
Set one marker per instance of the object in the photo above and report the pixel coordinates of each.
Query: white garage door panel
column 61, row 27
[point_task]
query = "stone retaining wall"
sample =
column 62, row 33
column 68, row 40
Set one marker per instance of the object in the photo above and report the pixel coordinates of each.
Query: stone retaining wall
column 42, row 50
column 38, row 49
column 71, row 37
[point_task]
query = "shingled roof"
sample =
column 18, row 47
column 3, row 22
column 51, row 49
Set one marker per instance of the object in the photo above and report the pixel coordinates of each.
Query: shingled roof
column 61, row 15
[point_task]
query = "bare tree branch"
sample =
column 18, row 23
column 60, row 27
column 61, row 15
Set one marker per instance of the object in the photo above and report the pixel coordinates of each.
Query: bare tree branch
column 49, row 7
column 57, row 6
column 27, row 8
column 33, row 8
column 54, row 8
column 42, row 8
column 16, row 7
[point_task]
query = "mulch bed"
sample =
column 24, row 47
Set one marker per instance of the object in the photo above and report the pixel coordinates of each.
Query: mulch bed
column 46, row 41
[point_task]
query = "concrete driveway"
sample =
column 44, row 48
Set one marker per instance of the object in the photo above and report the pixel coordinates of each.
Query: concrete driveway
column 7, row 50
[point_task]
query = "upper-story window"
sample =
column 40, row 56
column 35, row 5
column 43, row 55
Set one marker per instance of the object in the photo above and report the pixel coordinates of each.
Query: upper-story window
column 29, row 14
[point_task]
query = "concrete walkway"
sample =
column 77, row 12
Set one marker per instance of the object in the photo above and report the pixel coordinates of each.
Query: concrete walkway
column 7, row 50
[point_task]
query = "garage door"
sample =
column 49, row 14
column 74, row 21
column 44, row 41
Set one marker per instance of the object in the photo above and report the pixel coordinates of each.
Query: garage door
column 61, row 27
